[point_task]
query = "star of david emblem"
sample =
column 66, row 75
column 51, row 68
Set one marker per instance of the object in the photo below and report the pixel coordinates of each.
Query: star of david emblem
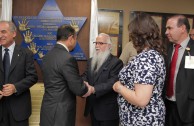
column 39, row 32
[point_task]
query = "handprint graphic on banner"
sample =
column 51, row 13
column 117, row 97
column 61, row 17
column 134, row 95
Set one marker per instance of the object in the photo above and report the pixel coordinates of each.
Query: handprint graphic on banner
column 39, row 32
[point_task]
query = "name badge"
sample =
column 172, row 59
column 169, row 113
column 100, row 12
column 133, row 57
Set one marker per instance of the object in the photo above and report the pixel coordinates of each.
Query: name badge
column 189, row 62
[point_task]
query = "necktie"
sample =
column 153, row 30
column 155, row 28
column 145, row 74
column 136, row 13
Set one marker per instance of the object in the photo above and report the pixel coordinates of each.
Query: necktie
column 170, row 90
column 6, row 65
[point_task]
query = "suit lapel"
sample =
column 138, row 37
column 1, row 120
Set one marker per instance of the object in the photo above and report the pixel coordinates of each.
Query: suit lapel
column 182, row 63
column 15, row 57
column 102, row 68
column 1, row 59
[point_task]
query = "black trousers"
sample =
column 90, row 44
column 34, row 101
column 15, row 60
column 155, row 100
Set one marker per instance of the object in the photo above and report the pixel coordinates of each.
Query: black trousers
column 103, row 123
column 172, row 115
column 8, row 119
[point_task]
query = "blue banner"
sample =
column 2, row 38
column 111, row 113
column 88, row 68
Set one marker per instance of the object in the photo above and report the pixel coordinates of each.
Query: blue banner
column 39, row 32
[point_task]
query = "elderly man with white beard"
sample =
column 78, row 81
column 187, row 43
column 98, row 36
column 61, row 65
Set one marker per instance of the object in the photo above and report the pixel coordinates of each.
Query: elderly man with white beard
column 102, row 72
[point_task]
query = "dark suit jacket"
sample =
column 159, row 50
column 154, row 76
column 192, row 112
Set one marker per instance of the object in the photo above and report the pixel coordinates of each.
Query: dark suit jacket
column 62, row 83
column 184, row 85
column 23, row 75
column 104, row 101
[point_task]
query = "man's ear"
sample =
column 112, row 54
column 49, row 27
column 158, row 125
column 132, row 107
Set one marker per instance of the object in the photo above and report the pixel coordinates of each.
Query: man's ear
column 70, row 37
column 183, row 28
column 14, row 34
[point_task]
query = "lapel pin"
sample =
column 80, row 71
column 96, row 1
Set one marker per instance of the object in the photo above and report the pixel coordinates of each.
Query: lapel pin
column 188, row 51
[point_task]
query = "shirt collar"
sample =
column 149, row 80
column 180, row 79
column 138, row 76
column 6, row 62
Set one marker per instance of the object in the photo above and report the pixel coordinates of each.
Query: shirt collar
column 11, row 47
column 185, row 42
column 63, row 45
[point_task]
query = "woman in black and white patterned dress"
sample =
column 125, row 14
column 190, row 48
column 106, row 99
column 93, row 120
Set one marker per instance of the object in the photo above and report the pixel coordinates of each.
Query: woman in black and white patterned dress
column 141, row 82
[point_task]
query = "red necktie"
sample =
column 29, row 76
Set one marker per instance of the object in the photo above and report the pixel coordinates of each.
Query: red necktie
column 170, row 90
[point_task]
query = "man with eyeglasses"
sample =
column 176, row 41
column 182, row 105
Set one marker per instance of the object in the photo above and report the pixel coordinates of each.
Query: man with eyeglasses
column 191, row 33
column 102, row 72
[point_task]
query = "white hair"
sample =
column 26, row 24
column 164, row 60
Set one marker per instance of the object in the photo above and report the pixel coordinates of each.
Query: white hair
column 108, row 39
column 98, row 59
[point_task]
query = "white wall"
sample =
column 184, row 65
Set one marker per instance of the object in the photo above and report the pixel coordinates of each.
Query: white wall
column 163, row 6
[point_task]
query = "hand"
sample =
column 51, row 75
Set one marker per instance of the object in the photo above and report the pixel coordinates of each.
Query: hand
column 74, row 25
column 1, row 94
column 90, row 90
column 8, row 89
column 92, row 87
column 117, row 86
column 23, row 25
column 40, row 54
column 32, row 47
column 28, row 37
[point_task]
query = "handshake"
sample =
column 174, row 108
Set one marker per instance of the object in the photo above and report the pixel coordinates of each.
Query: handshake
column 91, row 90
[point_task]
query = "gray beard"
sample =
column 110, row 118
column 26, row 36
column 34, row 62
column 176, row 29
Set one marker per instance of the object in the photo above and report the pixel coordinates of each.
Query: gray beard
column 99, row 59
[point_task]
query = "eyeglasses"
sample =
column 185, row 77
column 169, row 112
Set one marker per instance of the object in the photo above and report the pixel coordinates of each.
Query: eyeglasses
column 99, row 43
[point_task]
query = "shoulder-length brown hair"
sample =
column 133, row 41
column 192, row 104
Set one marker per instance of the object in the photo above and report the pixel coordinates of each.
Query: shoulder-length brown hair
column 145, row 33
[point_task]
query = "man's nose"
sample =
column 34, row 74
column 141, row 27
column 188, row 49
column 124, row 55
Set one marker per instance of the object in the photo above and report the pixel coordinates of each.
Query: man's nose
column 97, row 45
column 166, row 32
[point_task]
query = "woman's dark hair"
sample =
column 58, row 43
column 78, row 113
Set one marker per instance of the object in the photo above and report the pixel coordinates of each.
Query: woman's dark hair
column 64, row 32
column 145, row 33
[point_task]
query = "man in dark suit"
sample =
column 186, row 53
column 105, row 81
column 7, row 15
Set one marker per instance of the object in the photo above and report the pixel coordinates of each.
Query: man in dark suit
column 102, row 72
column 15, row 81
column 180, row 95
column 62, row 81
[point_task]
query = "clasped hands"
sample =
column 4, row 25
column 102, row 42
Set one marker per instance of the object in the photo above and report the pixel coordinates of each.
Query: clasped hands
column 91, row 90
column 7, row 90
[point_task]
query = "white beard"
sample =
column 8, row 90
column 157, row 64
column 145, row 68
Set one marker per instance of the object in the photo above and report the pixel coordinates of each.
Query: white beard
column 99, row 58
